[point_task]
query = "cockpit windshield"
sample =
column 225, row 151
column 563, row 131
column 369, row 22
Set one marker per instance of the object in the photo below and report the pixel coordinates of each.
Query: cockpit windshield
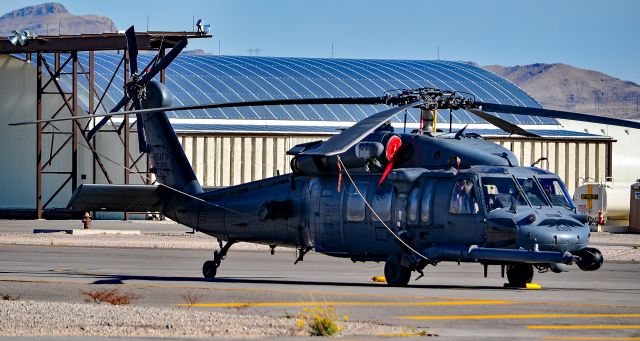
column 556, row 192
column 532, row 191
column 501, row 192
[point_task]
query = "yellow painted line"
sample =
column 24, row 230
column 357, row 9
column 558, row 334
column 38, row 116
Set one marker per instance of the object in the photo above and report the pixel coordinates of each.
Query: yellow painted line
column 512, row 316
column 533, row 286
column 588, row 338
column 587, row 327
column 344, row 303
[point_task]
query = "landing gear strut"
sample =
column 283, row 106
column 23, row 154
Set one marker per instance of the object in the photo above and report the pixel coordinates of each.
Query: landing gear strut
column 210, row 267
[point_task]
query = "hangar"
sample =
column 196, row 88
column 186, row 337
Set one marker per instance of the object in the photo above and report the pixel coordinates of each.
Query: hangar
column 231, row 146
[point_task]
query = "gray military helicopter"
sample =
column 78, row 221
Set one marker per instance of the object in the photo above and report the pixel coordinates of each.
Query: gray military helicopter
column 368, row 193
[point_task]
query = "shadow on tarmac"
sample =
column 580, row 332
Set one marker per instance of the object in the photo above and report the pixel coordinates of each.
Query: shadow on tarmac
column 115, row 279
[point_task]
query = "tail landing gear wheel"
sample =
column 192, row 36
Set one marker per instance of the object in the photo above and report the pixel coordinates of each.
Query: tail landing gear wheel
column 519, row 275
column 209, row 269
column 395, row 273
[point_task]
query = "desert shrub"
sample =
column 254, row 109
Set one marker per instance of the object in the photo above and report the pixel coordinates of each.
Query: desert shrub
column 111, row 296
column 190, row 298
column 8, row 297
column 319, row 321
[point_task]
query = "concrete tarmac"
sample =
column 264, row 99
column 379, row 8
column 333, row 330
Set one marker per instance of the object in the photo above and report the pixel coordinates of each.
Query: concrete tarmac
column 451, row 300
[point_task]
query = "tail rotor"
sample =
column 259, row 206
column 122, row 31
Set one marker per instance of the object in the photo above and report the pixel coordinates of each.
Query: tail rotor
column 135, row 87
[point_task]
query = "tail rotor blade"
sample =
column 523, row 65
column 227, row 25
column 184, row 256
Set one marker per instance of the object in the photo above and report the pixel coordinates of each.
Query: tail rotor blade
column 142, row 140
column 164, row 62
column 132, row 48
column 105, row 119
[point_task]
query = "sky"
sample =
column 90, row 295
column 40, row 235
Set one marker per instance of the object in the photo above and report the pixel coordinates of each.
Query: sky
column 596, row 35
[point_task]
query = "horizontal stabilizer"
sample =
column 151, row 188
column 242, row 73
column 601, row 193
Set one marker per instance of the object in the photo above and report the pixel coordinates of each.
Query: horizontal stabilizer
column 116, row 198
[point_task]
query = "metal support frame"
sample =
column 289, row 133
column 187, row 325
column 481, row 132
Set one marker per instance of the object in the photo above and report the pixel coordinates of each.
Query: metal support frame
column 63, row 51
column 70, row 103
column 75, row 134
column 127, row 131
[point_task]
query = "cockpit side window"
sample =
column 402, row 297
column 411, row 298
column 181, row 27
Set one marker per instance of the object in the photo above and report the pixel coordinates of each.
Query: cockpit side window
column 556, row 192
column 532, row 192
column 463, row 197
column 500, row 192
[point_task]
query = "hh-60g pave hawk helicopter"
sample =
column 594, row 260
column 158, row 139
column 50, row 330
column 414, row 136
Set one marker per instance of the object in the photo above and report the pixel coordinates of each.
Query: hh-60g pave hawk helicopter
column 368, row 193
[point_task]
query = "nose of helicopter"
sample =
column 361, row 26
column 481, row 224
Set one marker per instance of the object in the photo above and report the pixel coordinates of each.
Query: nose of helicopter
column 555, row 235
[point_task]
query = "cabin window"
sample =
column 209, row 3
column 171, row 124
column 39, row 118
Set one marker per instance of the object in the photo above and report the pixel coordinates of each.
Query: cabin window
column 532, row 192
column 427, row 195
column 463, row 197
column 381, row 203
column 355, row 204
column 500, row 192
column 556, row 192
column 414, row 200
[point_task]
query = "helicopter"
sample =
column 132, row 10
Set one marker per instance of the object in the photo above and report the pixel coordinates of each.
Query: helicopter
column 369, row 193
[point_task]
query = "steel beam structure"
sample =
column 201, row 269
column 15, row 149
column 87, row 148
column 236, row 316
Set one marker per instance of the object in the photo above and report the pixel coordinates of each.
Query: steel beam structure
column 64, row 52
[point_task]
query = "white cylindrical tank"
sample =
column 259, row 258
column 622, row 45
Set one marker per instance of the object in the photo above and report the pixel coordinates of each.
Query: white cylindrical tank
column 610, row 198
column 591, row 199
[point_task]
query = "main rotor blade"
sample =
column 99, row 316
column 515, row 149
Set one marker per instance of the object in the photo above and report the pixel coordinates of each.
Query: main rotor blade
column 491, row 107
column 164, row 62
column 349, row 137
column 502, row 124
column 132, row 48
column 296, row 101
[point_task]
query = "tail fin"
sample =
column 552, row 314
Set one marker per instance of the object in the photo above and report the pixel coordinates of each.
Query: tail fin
column 170, row 165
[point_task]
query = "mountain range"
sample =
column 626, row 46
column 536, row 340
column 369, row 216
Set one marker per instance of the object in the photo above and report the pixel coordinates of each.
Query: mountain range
column 53, row 19
column 564, row 87
column 555, row 86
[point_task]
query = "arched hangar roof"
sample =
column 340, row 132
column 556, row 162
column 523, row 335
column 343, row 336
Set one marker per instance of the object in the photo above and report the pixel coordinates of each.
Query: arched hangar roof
column 206, row 79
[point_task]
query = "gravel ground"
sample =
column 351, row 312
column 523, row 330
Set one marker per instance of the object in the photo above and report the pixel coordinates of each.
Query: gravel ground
column 35, row 318
column 197, row 241
column 619, row 247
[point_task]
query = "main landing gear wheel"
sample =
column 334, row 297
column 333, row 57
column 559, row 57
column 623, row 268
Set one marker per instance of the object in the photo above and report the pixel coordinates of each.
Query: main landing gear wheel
column 395, row 273
column 209, row 269
column 519, row 275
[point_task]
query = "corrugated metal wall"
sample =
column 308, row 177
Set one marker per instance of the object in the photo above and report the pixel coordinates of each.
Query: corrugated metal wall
column 231, row 160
